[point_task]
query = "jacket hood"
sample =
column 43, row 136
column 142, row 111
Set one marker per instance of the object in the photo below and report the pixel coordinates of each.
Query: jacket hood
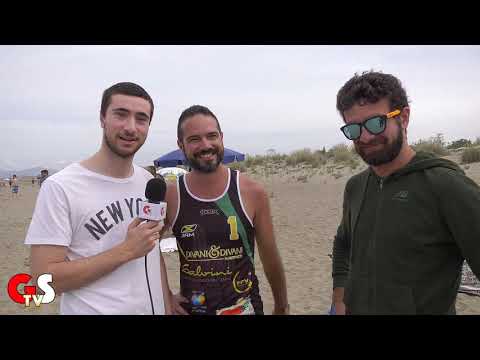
column 424, row 160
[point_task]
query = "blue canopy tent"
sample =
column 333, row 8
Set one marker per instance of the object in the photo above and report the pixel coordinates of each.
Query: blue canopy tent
column 176, row 157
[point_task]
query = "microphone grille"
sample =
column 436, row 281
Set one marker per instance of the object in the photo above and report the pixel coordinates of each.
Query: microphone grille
column 156, row 189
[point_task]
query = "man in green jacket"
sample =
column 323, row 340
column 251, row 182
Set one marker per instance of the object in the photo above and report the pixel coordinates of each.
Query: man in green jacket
column 409, row 220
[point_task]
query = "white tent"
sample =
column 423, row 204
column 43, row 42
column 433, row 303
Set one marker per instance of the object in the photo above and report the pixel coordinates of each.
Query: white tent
column 171, row 173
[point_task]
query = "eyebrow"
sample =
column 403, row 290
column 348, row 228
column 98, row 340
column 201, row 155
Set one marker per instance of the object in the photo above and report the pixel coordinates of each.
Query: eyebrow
column 207, row 134
column 128, row 111
column 367, row 118
column 121, row 109
column 142, row 114
column 193, row 137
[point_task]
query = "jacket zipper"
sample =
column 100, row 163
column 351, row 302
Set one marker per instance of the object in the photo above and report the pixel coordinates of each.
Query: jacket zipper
column 374, row 265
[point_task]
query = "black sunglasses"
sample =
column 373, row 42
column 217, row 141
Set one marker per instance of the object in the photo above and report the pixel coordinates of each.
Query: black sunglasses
column 374, row 125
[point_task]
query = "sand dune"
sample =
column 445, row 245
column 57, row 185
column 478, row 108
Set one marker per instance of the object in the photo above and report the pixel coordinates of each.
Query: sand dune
column 306, row 213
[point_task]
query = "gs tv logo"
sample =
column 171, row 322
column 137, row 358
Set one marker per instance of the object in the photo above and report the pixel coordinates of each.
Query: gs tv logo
column 31, row 291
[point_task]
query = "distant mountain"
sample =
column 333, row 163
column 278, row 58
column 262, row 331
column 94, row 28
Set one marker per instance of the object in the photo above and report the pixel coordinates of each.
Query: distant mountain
column 5, row 173
column 58, row 165
column 52, row 167
column 6, row 165
column 26, row 172
column 34, row 171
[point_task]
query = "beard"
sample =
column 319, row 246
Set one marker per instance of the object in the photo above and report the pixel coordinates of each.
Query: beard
column 385, row 154
column 123, row 153
column 205, row 166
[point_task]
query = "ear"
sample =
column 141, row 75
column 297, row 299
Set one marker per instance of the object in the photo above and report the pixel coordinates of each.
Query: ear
column 405, row 117
column 221, row 136
column 102, row 121
column 180, row 145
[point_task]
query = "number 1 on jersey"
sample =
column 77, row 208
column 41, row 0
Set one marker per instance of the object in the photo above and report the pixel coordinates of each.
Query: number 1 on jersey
column 232, row 221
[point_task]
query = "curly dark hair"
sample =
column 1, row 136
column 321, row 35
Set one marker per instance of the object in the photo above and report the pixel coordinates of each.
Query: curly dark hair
column 370, row 87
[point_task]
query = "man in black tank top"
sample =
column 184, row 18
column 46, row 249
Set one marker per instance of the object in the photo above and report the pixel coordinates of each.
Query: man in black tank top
column 216, row 215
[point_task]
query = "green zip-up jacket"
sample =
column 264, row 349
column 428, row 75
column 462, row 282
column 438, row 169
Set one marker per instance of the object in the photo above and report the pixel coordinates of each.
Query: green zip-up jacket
column 402, row 240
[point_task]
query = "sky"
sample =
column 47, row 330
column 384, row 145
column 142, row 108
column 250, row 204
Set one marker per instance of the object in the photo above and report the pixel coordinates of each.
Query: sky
column 265, row 96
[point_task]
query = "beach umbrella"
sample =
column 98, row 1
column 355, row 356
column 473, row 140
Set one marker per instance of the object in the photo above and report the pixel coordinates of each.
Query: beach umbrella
column 176, row 157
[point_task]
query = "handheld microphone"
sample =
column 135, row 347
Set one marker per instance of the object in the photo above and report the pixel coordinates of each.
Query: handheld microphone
column 155, row 208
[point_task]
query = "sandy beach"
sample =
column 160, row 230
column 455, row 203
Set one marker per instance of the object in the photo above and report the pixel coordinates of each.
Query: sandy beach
column 306, row 207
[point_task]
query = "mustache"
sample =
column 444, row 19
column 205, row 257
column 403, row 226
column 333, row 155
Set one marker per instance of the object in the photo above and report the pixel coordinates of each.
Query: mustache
column 379, row 141
column 207, row 151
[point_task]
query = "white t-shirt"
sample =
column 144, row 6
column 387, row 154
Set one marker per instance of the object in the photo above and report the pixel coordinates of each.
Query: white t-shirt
column 90, row 213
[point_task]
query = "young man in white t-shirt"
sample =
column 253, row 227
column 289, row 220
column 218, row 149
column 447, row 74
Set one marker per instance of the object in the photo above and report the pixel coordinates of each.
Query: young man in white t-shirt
column 85, row 230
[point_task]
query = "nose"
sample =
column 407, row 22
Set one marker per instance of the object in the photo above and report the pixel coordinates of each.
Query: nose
column 365, row 136
column 205, row 143
column 130, row 125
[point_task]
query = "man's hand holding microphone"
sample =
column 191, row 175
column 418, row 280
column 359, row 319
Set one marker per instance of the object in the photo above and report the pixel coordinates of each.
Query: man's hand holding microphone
column 142, row 235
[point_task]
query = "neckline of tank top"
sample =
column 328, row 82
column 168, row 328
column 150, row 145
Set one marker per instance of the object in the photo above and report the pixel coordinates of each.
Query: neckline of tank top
column 209, row 200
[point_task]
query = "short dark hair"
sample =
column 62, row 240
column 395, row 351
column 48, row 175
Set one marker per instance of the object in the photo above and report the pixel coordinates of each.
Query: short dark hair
column 124, row 88
column 371, row 87
column 192, row 111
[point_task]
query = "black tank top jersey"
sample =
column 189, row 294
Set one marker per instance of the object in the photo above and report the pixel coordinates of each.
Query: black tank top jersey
column 215, row 240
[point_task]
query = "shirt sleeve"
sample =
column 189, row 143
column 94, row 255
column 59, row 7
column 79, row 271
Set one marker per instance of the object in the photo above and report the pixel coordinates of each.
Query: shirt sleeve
column 50, row 223
column 341, row 250
column 460, row 205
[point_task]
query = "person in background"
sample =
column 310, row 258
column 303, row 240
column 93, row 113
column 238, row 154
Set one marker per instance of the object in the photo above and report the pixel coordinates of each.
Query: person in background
column 14, row 186
column 43, row 177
